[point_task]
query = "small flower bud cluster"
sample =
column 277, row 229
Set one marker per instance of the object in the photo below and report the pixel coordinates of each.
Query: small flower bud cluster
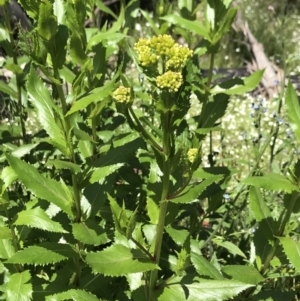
column 192, row 154
column 146, row 55
column 178, row 57
column 170, row 80
column 174, row 55
column 122, row 94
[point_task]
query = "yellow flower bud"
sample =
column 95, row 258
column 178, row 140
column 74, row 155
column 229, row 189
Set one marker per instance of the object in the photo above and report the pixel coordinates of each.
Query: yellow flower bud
column 122, row 94
column 192, row 154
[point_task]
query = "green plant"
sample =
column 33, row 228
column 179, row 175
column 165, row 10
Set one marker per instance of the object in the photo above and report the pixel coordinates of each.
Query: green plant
column 107, row 199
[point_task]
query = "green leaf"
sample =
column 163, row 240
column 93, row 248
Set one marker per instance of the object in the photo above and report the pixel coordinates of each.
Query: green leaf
column 102, row 172
column 292, row 250
column 243, row 273
column 77, row 51
column 120, row 154
column 5, row 233
column 151, row 21
column 18, row 288
column 204, row 267
column 193, row 26
column 60, row 46
column 47, row 23
column 179, row 236
column 261, row 212
column 239, row 86
column 45, row 253
column 103, row 36
column 41, row 186
column 59, row 164
column 37, row 218
column 96, row 95
column 8, row 176
column 152, row 211
column 119, row 260
column 225, row 24
column 105, row 8
column 232, row 248
column 191, row 193
column 77, row 295
column 272, row 181
column 211, row 290
column 5, row 88
column 40, row 97
column 293, row 109
column 7, row 249
column 89, row 233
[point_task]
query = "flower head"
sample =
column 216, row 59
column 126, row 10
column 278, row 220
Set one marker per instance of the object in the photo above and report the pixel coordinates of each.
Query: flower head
column 170, row 80
column 192, row 154
column 122, row 94
column 174, row 56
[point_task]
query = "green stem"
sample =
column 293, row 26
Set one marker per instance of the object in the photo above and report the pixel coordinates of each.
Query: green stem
column 67, row 130
column 18, row 82
column 163, row 201
column 142, row 248
column 142, row 130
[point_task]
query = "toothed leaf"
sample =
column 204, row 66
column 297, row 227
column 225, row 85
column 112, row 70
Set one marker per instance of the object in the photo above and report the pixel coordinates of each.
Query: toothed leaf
column 292, row 251
column 41, row 186
column 38, row 255
column 18, row 288
column 37, row 218
column 210, row 290
column 119, row 260
column 73, row 295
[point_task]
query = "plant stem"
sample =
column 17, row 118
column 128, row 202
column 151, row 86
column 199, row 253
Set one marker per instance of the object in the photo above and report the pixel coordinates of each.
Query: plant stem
column 67, row 130
column 142, row 130
column 167, row 147
column 18, row 82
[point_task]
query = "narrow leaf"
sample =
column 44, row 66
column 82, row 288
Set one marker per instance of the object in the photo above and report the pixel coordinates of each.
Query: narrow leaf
column 96, row 95
column 272, row 181
column 102, row 172
column 193, row 26
column 293, row 109
column 232, row 248
column 261, row 212
column 89, row 233
column 47, row 23
column 292, row 251
column 204, row 267
column 239, row 86
column 5, row 88
column 37, row 218
column 191, row 194
column 243, row 273
column 36, row 255
column 41, row 186
column 119, row 260
column 211, row 290
column 40, row 97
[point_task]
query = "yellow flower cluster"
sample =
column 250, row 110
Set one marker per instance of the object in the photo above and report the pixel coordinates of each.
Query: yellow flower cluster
column 170, row 80
column 122, row 94
column 150, row 50
column 146, row 55
column 178, row 57
column 192, row 154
